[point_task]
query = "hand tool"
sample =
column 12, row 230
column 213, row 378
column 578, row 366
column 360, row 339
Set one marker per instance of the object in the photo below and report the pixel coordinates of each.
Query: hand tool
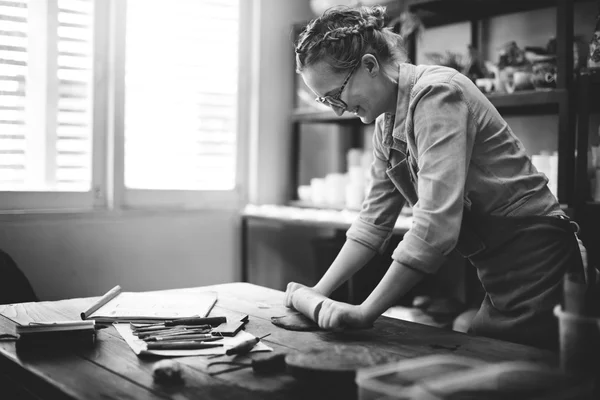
column 242, row 347
column 212, row 321
column 245, row 346
column 8, row 337
column 151, row 329
column 174, row 332
column 200, row 337
column 269, row 364
column 182, row 345
column 308, row 302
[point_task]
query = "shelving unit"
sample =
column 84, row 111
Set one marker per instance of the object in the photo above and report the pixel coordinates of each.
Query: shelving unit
column 525, row 101
column 444, row 12
column 587, row 211
column 559, row 100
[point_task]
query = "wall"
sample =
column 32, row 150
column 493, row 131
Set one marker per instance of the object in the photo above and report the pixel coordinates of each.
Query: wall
column 68, row 256
column 274, row 73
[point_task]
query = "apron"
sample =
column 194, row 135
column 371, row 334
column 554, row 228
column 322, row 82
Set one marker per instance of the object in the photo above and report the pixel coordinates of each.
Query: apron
column 520, row 262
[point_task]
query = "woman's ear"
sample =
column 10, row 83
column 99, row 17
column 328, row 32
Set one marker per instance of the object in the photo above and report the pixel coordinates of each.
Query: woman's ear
column 370, row 64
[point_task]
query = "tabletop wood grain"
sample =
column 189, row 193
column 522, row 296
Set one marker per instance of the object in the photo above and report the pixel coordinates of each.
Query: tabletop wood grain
column 111, row 370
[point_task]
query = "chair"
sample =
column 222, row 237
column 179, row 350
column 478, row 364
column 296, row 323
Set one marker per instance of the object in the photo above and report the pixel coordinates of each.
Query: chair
column 14, row 285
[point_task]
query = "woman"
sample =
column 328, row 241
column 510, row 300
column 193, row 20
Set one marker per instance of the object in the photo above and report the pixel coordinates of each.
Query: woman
column 441, row 146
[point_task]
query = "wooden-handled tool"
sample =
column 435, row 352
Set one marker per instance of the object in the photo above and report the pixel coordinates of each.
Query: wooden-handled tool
column 308, row 302
column 270, row 364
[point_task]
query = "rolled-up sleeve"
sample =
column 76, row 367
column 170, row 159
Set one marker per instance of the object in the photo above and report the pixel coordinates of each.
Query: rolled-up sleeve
column 444, row 134
column 383, row 202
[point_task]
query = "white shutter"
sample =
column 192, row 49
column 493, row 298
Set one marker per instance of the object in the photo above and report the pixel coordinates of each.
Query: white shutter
column 181, row 85
column 73, row 128
column 13, row 70
column 46, row 54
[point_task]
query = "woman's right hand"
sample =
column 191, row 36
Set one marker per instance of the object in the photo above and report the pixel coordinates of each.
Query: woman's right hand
column 291, row 288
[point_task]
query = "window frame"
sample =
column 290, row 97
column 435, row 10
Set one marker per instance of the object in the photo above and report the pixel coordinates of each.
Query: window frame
column 108, row 191
column 126, row 198
column 33, row 200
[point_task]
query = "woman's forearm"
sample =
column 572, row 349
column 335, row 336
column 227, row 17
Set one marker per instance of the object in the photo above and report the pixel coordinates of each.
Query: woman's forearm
column 352, row 257
column 396, row 282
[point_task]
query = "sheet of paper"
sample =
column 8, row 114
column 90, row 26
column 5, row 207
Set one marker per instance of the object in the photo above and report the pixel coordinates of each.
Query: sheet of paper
column 139, row 346
column 156, row 305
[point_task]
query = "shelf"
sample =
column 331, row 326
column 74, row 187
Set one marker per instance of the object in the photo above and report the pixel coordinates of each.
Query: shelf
column 320, row 218
column 443, row 12
column 520, row 101
column 308, row 204
column 406, row 210
column 323, row 116
column 547, row 98
column 593, row 77
column 594, row 74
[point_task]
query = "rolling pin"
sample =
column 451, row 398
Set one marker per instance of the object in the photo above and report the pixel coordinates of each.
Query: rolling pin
column 308, row 302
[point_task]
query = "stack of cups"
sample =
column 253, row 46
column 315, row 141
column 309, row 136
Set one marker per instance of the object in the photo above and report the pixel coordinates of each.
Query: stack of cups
column 595, row 184
column 547, row 164
column 335, row 184
column 355, row 189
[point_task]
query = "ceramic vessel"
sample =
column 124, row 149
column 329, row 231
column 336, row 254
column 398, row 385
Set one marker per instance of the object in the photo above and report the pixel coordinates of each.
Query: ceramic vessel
column 544, row 75
column 594, row 54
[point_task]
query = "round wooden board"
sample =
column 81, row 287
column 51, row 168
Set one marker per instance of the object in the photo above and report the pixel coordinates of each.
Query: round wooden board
column 334, row 362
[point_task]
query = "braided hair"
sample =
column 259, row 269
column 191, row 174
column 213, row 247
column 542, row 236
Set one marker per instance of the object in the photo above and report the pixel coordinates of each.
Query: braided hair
column 342, row 35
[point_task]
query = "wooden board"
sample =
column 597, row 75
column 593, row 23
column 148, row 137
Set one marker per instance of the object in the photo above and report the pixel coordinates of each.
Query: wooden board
column 335, row 361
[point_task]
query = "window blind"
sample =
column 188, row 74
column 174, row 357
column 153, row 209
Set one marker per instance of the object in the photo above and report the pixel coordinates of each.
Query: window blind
column 45, row 95
column 181, row 94
column 73, row 129
column 13, row 70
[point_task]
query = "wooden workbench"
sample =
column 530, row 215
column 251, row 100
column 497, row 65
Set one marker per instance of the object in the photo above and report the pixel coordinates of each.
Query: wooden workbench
column 111, row 370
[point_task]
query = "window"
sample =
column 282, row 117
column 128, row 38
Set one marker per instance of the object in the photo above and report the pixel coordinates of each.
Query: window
column 181, row 94
column 45, row 91
column 119, row 103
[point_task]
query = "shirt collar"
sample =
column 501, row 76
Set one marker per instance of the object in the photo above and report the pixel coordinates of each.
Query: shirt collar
column 394, row 123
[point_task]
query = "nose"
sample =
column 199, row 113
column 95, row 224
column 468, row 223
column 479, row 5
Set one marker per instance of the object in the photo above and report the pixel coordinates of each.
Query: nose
column 338, row 110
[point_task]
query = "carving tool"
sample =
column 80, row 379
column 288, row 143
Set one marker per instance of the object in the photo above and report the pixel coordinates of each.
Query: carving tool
column 165, row 328
column 270, row 364
column 199, row 337
column 174, row 332
column 182, row 345
column 212, row 321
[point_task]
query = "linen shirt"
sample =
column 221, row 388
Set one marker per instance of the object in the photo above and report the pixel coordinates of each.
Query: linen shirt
column 460, row 153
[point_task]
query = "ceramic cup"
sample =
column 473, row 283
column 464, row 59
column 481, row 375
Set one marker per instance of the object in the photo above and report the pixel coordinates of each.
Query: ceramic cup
column 520, row 80
column 544, row 75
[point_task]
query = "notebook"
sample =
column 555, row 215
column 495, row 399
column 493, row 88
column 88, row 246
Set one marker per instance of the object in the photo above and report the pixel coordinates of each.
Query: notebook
column 148, row 307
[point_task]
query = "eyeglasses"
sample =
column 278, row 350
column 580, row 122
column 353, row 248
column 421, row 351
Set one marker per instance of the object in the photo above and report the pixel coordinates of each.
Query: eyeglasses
column 334, row 101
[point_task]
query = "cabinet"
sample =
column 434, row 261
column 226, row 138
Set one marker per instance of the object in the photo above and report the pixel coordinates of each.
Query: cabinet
column 559, row 101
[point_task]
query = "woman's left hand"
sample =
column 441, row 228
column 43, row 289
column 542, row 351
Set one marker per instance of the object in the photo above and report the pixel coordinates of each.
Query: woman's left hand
column 335, row 315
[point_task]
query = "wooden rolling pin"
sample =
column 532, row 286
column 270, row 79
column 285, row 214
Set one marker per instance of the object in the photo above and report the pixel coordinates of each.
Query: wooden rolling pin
column 308, row 302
